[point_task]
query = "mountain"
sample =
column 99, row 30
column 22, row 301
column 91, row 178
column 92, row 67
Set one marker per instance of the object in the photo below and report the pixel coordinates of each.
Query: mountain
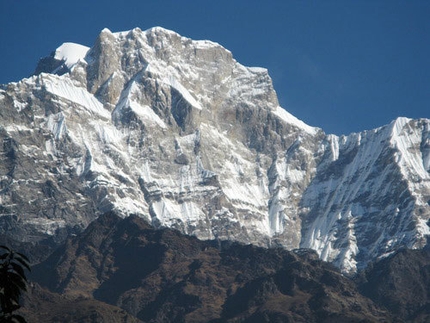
column 164, row 276
column 179, row 133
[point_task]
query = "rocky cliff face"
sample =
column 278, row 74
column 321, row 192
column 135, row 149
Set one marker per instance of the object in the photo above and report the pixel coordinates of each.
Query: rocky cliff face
column 179, row 133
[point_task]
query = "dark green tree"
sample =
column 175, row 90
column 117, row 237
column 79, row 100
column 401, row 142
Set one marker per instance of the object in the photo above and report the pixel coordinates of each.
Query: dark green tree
column 13, row 282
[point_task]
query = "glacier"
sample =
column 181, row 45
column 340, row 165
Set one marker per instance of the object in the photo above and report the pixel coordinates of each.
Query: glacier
column 178, row 132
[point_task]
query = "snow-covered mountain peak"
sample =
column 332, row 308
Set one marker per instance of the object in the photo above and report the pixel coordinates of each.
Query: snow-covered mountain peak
column 165, row 34
column 180, row 133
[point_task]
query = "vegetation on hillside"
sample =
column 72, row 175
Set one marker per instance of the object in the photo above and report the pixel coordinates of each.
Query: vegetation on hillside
column 13, row 282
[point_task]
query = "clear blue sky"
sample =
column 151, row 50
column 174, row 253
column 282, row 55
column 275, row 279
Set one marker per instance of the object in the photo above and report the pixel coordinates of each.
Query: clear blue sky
column 344, row 66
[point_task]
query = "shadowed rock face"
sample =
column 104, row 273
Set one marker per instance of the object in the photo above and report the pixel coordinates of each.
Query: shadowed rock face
column 164, row 276
column 178, row 132
column 401, row 284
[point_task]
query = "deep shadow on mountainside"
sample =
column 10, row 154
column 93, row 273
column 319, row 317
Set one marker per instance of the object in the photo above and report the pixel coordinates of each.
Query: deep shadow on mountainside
column 401, row 284
column 123, row 270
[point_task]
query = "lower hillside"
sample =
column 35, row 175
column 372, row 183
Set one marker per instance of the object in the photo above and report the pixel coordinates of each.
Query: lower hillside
column 163, row 276
column 401, row 283
column 41, row 305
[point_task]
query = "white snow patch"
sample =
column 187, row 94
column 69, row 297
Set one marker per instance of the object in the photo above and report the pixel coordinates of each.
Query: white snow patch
column 295, row 175
column 243, row 194
column 65, row 89
column 15, row 127
column 257, row 70
column 204, row 44
column 130, row 206
column 404, row 138
column 168, row 211
column 160, row 29
column 71, row 53
column 422, row 227
column 173, row 82
column 289, row 118
column 108, row 134
column 276, row 213
column 19, row 105
column 145, row 172
column 57, row 125
column 50, row 148
column 334, row 146
column 145, row 113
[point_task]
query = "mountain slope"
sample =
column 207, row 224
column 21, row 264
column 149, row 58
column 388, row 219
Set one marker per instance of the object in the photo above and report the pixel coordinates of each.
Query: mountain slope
column 164, row 276
column 401, row 283
column 178, row 132
column 42, row 306
column 370, row 194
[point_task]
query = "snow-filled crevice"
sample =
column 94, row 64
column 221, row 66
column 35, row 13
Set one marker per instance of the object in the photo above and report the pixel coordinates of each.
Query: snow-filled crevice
column 425, row 146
